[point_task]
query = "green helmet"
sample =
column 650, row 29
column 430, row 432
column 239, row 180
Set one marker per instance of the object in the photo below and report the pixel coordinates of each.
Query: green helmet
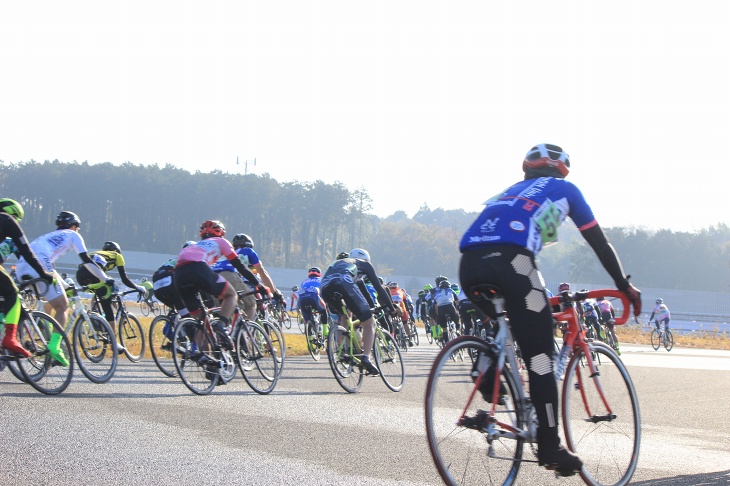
column 12, row 207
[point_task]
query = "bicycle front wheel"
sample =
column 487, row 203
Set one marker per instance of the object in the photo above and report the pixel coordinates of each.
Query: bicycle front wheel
column 195, row 361
column 655, row 339
column 131, row 336
column 668, row 340
column 606, row 439
column 257, row 358
column 95, row 348
column 457, row 418
column 41, row 371
column 313, row 341
column 340, row 353
column 389, row 361
column 160, row 338
column 277, row 340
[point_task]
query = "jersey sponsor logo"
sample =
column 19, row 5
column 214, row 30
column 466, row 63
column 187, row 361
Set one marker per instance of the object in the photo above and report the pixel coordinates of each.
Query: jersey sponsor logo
column 56, row 240
column 489, row 225
column 483, row 239
column 517, row 225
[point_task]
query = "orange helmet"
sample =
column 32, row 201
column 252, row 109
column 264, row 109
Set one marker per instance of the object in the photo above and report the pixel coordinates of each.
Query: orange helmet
column 212, row 228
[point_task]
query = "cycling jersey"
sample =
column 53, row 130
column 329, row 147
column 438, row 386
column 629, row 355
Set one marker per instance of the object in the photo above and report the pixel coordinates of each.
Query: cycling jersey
column 310, row 288
column 661, row 311
column 208, row 251
column 8, row 248
column 444, row 297
column 247, row 256
column 528, row 214
column 107, row 260
column 52, row 246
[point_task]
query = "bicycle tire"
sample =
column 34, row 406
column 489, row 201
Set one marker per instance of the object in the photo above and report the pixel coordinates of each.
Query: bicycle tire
column 144, row 308
column 300, row 322
column 389, row 361
column 402, row 340
column 277, row 340
column 315, row 350
column 461, row 453
column 287, row 320
column 41, row 371
column 340, row 356
column 161, row 345
column 256, row 357
column 131, row 336
column 95, row 348
column 668, row 340
column 609, row 449
column 655, row 339
column 194, row 356
column 429, row 336
column 416, row 339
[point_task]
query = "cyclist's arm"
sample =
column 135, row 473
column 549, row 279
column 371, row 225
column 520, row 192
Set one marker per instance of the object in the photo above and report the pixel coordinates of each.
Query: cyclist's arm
column 265, row 277
column 606, row 254
column 125, row 279
column 13, row 229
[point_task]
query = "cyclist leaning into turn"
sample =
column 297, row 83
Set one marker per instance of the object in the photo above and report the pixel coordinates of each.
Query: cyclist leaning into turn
column 342, row 277
column 49, row 248
column 108, row 258
column 500, row 248
column 15, row 242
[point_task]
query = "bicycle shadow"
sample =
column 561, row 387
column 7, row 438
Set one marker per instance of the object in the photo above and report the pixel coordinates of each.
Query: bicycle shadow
column 720, row 478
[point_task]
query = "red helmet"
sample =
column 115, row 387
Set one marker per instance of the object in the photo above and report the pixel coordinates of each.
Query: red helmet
column 563, row 286
column 212, row 228
column 314, row 272
column 546, row 160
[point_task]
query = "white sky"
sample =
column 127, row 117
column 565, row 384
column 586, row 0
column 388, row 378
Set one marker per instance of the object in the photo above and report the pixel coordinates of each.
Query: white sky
column 418, row 102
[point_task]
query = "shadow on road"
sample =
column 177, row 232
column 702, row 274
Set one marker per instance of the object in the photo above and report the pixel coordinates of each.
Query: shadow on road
column 709, row 479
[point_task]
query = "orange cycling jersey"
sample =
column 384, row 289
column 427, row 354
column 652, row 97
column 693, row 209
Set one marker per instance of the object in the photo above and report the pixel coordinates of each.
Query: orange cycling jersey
column 398, row 295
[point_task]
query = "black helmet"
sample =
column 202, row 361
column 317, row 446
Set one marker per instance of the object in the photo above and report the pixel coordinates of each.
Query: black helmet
column 66, row 219
column 242, row 239
column 295, row 288
column 440, row 279
column 12, row 207
column 342, row 255
column 444, row 284
column 112, row 246
column 546, row 160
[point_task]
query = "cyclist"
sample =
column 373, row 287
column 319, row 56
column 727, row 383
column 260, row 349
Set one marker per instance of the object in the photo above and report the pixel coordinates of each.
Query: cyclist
column 469, row 315
column 445, row 306
column 294, row 298
column 49, row 248
column 607, row 315
column 590, row 313
column 398, row 296
column 662, row 314
column 342, row 277
column 108, row 258
column 310, row 298
column 15, row 242
column 193, row 274
column 500, row 248
column 243, row 245
column 163, row 285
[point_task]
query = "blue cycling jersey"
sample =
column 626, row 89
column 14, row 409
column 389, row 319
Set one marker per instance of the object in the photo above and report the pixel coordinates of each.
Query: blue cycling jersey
column 310, row 288
column 245, row 254
column 528, row 214
column 7, row 248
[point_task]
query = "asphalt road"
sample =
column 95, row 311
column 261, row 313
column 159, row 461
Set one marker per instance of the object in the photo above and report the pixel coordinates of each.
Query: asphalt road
column 143, row 428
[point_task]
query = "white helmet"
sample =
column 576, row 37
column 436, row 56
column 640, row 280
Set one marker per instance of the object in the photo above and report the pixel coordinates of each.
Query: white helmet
column 360, row 254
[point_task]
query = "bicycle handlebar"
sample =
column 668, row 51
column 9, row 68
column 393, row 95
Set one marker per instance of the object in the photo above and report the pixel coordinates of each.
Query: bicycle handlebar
column 592, row 294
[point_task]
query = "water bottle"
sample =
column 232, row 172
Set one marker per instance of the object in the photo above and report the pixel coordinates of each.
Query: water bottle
column 560, row 365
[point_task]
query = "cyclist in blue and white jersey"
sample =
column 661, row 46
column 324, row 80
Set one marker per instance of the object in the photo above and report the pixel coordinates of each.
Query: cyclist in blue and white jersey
column 243, row 244
column 310, row 298
column 445, row 306
column 500, row 248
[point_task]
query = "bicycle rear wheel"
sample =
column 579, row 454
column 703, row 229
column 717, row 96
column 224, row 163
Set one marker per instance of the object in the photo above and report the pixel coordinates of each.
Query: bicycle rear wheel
column 668, row 340
column 277, row 340
column 389, row 361
column 95, row 348
column 606, row 440
column 256, row 357
column 131, row 336
column 456, row 421
column 194, row 358
column 162, row 331
column 41, row 371
column 416, row 339
column 313, row 341
column 340, row 355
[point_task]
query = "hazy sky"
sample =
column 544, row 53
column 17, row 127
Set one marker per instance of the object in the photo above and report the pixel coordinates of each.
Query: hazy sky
column 418, row 102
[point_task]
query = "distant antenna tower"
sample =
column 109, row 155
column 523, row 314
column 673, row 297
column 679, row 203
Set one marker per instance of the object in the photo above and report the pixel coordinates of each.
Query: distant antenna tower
column 245, row 164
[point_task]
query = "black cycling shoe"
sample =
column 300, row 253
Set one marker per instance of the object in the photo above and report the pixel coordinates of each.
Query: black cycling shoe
column 224, row 339
column 370, row 368
column 560, row 460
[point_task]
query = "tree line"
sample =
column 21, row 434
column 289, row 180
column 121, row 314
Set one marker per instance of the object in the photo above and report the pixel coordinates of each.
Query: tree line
column 301, row 224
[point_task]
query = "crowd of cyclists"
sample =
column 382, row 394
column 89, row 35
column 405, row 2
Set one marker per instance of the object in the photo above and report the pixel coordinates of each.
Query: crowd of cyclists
column 499, row 249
